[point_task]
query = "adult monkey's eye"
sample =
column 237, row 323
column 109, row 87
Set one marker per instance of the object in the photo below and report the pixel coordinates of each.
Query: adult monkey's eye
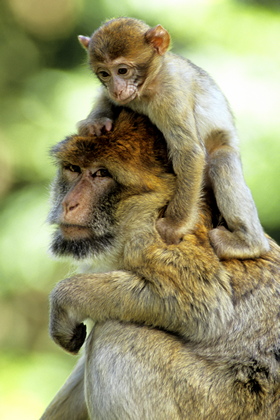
column 101, row 173
column 72, row 168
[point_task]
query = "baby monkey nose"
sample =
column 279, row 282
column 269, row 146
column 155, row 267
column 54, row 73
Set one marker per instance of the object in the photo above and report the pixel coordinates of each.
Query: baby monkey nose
column 118, row 93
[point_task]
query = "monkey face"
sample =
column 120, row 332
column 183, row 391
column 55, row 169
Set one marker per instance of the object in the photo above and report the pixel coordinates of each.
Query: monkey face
column 98, row 176
column 120, row 79
column 83, row 211
column 124, row 54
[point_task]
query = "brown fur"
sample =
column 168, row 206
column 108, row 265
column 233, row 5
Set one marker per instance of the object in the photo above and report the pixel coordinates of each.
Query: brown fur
column 114, row 48
column 133, row 63
column 178, row 334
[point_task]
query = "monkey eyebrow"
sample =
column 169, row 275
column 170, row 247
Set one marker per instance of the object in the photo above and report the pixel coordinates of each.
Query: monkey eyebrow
column 66, row 163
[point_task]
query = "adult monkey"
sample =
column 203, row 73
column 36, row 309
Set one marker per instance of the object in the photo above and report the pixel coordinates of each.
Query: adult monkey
column 179, row 334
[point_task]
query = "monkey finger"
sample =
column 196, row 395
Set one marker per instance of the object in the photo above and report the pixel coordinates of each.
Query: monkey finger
column 108, row 125
column 95, row 129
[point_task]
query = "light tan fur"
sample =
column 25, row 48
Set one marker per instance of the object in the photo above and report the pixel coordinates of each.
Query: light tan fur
column 137, row 71
column 179, row 334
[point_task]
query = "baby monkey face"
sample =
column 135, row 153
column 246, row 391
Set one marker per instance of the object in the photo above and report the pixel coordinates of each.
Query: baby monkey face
column 120, row 78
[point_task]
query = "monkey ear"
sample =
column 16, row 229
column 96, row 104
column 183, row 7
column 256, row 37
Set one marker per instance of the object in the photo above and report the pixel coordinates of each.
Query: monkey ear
column 84, row 41
column 159, row 38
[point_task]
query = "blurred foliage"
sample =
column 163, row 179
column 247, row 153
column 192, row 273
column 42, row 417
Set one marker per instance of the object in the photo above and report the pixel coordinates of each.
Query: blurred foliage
column 267, row 4
column 46, row 87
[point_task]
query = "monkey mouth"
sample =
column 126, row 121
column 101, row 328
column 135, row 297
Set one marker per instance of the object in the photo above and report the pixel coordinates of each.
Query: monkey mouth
column 125, row 100
column 71, row 231
column 78, row 242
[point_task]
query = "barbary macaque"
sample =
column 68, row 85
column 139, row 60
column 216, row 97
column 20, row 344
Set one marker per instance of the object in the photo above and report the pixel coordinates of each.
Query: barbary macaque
column 178, row 333
column 132, row 62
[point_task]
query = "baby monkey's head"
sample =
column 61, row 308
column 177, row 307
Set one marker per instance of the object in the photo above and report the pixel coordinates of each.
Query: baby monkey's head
column 123, row 53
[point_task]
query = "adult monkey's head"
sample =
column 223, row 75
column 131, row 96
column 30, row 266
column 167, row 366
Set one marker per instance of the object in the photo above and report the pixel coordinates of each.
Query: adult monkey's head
column 105, row 183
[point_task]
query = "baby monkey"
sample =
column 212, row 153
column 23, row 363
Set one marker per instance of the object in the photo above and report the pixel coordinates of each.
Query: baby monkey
column 132, row 62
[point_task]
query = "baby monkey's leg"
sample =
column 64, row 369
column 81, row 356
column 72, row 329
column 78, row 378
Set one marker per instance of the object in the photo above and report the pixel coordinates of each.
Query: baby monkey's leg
column 245, row 237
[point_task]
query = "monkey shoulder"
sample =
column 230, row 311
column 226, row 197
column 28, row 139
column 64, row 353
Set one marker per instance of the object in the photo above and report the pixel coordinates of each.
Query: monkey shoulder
column 187, row 79
column 179, row 68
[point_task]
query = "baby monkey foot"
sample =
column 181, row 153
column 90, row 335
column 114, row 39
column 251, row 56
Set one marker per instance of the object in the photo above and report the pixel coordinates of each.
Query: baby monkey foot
column 228, row 245
column 169, row 232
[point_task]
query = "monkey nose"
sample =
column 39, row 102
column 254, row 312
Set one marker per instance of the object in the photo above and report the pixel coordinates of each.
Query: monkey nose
column 118, row 94
column 69, row 206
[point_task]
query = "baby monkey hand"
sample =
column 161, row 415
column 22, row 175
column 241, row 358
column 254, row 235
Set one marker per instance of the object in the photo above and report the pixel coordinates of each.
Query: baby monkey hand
column 96, row 127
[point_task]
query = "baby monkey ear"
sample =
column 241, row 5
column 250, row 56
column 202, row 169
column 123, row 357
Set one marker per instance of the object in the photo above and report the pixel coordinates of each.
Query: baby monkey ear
column 84, row 41
column 159, row 38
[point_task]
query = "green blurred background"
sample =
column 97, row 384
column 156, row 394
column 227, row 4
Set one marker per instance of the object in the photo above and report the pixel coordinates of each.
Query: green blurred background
column 46, row 87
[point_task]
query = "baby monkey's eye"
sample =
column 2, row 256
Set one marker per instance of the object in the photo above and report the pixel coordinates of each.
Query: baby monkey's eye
column 103, row 74
column 122, row 70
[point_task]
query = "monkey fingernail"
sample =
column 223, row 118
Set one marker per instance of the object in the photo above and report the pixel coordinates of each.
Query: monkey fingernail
column 108, row 126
